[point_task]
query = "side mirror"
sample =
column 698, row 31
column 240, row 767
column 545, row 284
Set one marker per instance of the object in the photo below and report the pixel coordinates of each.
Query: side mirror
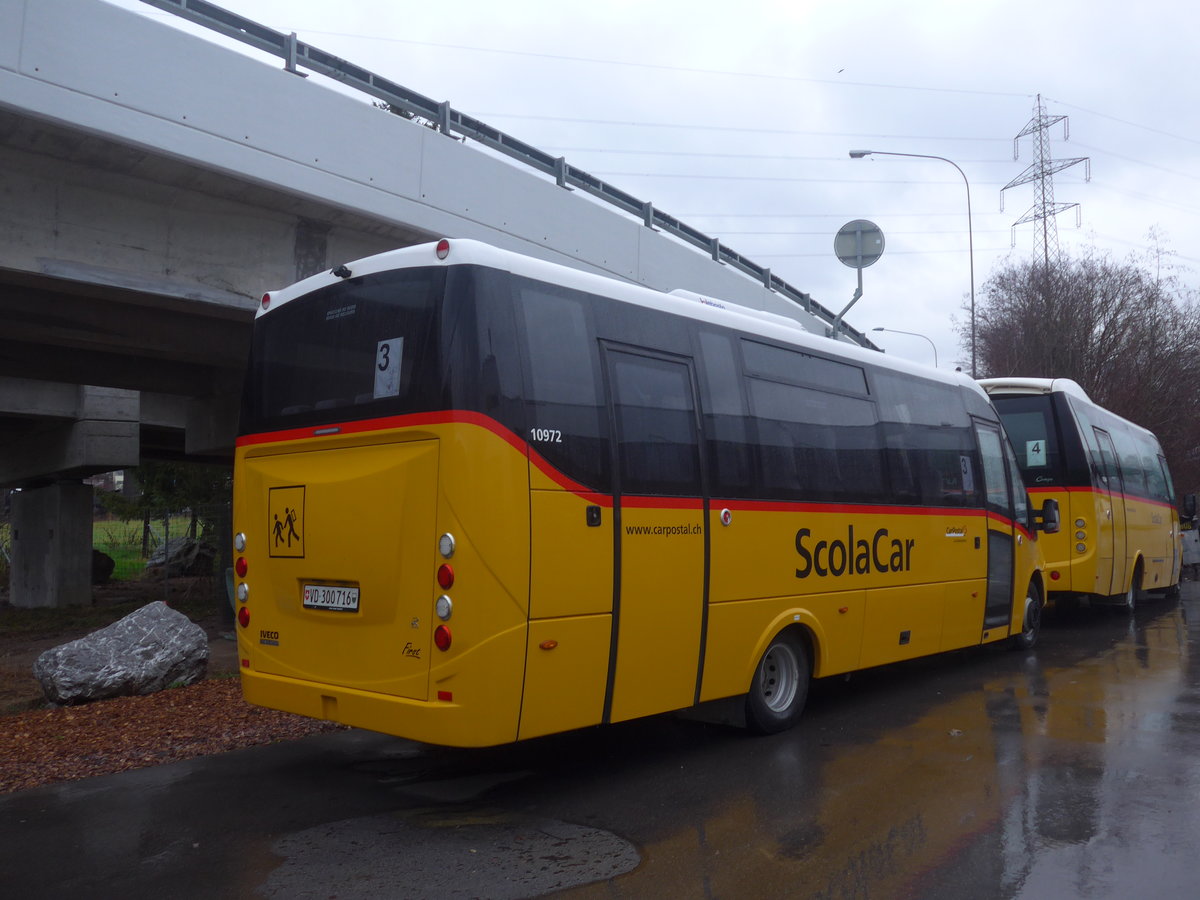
column 1048, row 519
column 1189, row 507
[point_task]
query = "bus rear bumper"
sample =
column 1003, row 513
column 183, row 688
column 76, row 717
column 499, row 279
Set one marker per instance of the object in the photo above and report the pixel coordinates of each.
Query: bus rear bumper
column 433, row 722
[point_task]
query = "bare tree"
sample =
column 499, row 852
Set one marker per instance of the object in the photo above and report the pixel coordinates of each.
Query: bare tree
column 1127, row 332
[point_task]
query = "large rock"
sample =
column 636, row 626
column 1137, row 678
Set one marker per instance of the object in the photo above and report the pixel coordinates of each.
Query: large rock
column 182, row 556
column 148, row 650
column 102, row 566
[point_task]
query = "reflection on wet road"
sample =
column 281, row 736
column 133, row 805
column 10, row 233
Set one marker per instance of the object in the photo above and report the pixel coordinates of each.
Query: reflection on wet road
column 1068, row 771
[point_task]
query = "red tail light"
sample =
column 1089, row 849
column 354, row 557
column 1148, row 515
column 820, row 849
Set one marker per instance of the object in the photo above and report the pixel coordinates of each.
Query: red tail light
column 441, row 637
column 445, row 577
column 241, row 567
column 266, row 300
column 244, row 616
column 443, row 248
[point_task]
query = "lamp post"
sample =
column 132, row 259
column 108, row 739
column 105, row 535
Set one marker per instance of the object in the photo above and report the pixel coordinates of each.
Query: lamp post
column 914, row 334
column 859, row 154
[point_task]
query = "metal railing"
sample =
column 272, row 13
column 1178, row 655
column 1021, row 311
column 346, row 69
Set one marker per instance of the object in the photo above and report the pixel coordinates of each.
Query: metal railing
column 450, row 121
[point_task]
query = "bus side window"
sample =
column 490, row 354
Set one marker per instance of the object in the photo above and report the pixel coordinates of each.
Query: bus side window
column 1019, row 497
column 1106, row 465
column 814, row 444
column 725, row 419
column 930, row 450
column 564, row 424
column 1130, row 460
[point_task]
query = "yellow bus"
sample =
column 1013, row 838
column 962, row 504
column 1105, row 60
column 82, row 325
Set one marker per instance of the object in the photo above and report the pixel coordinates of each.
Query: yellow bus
column 1112, row 484
column 480, row 498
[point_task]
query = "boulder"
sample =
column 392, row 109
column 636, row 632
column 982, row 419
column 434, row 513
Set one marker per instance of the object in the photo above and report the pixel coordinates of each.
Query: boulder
column 102, row 566
column 150, row 649
column 182, row 556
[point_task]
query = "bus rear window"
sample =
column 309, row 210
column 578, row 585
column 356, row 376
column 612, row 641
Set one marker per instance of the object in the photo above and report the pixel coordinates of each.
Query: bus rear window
column 361, row 348
column 1029, row 421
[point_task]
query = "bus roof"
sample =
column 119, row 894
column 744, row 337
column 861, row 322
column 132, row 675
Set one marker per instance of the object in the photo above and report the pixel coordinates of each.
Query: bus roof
column 1034, row 386
column 678, row 302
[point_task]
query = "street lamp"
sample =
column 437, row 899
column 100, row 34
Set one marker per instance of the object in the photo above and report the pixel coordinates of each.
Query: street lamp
column 914, row 334
column 859, row 154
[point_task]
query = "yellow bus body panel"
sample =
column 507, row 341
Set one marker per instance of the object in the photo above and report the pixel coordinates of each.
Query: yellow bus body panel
column 1152, row 535
column 888, row 570
column 572, row 562
column 375, row 503
column 566, row 674
column 482, row 712
column 329, row 541
column 661, row 612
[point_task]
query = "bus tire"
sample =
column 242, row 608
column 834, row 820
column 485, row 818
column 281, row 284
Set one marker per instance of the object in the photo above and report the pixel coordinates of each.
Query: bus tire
column 779, row 687
column 1031, row 623
column 1135, row 595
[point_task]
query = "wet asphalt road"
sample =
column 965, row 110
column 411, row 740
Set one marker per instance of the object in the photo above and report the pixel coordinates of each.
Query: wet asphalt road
column 1069, row 771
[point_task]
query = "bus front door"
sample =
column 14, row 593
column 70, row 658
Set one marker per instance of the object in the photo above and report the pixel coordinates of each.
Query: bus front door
column 661, row 546
column 1001, row 531
column 1110, row 519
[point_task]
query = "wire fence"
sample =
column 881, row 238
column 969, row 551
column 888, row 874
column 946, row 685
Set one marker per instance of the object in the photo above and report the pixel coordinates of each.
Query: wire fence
column 164, row 554
column 174, row 548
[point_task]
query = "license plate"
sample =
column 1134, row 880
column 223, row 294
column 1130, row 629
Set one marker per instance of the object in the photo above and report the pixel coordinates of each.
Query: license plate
column 329, row 596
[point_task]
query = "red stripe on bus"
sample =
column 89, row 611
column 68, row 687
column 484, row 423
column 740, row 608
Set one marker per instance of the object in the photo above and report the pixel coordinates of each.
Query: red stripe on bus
column 447, row 417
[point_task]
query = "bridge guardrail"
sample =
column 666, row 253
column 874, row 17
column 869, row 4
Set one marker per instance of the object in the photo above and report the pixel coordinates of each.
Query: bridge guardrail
column 296, row 53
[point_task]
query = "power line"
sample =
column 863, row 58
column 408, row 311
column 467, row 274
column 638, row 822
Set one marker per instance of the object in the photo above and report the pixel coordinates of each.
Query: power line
column 1092, row 112
column 741, row 129
column 664, row 67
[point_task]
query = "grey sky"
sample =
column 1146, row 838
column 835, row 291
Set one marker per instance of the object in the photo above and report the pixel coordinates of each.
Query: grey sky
column 738, row 118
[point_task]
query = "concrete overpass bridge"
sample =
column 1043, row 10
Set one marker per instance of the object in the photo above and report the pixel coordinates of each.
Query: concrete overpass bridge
column 153, row 184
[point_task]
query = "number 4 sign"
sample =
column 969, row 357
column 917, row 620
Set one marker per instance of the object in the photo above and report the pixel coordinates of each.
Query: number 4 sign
column 1035, row 453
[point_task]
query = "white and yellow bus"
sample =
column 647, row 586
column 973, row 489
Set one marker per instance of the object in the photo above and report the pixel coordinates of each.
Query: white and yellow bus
column 481, row 498
column 1112, row 484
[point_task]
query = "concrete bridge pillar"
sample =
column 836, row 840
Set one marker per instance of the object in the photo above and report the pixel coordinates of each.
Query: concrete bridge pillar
column 52, row 546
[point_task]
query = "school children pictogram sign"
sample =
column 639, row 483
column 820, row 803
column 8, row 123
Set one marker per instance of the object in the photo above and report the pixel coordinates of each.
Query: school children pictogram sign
column 285, row 517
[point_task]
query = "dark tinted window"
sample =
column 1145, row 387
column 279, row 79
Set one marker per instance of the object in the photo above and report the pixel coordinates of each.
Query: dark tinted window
column 916, row 401
column 565, row 424
column 656, row 426
column 928, row 447
column 726, row 424
column 995, row 477
column 814, row 444
column 360, row 348
column 482, row 362
column 794, row 367
column 1030, row 423
column 1131, row 461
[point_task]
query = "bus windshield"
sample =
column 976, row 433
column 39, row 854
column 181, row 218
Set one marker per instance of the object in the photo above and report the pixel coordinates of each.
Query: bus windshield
column 357, row 349
column 1030, row 423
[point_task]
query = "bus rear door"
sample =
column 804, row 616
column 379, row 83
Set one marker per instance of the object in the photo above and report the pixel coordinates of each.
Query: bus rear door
column 659, row 617
column 341, row 595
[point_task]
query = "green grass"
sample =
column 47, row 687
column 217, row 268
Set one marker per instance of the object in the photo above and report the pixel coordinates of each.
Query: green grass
column 123, row 542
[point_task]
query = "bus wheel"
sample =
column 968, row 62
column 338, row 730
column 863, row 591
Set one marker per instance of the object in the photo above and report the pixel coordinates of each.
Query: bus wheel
column 1031, row 625
column 1135, row 594
column 780, row 686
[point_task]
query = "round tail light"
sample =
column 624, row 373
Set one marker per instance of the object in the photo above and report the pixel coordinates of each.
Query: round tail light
column 441, row 637
column 244, row 616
